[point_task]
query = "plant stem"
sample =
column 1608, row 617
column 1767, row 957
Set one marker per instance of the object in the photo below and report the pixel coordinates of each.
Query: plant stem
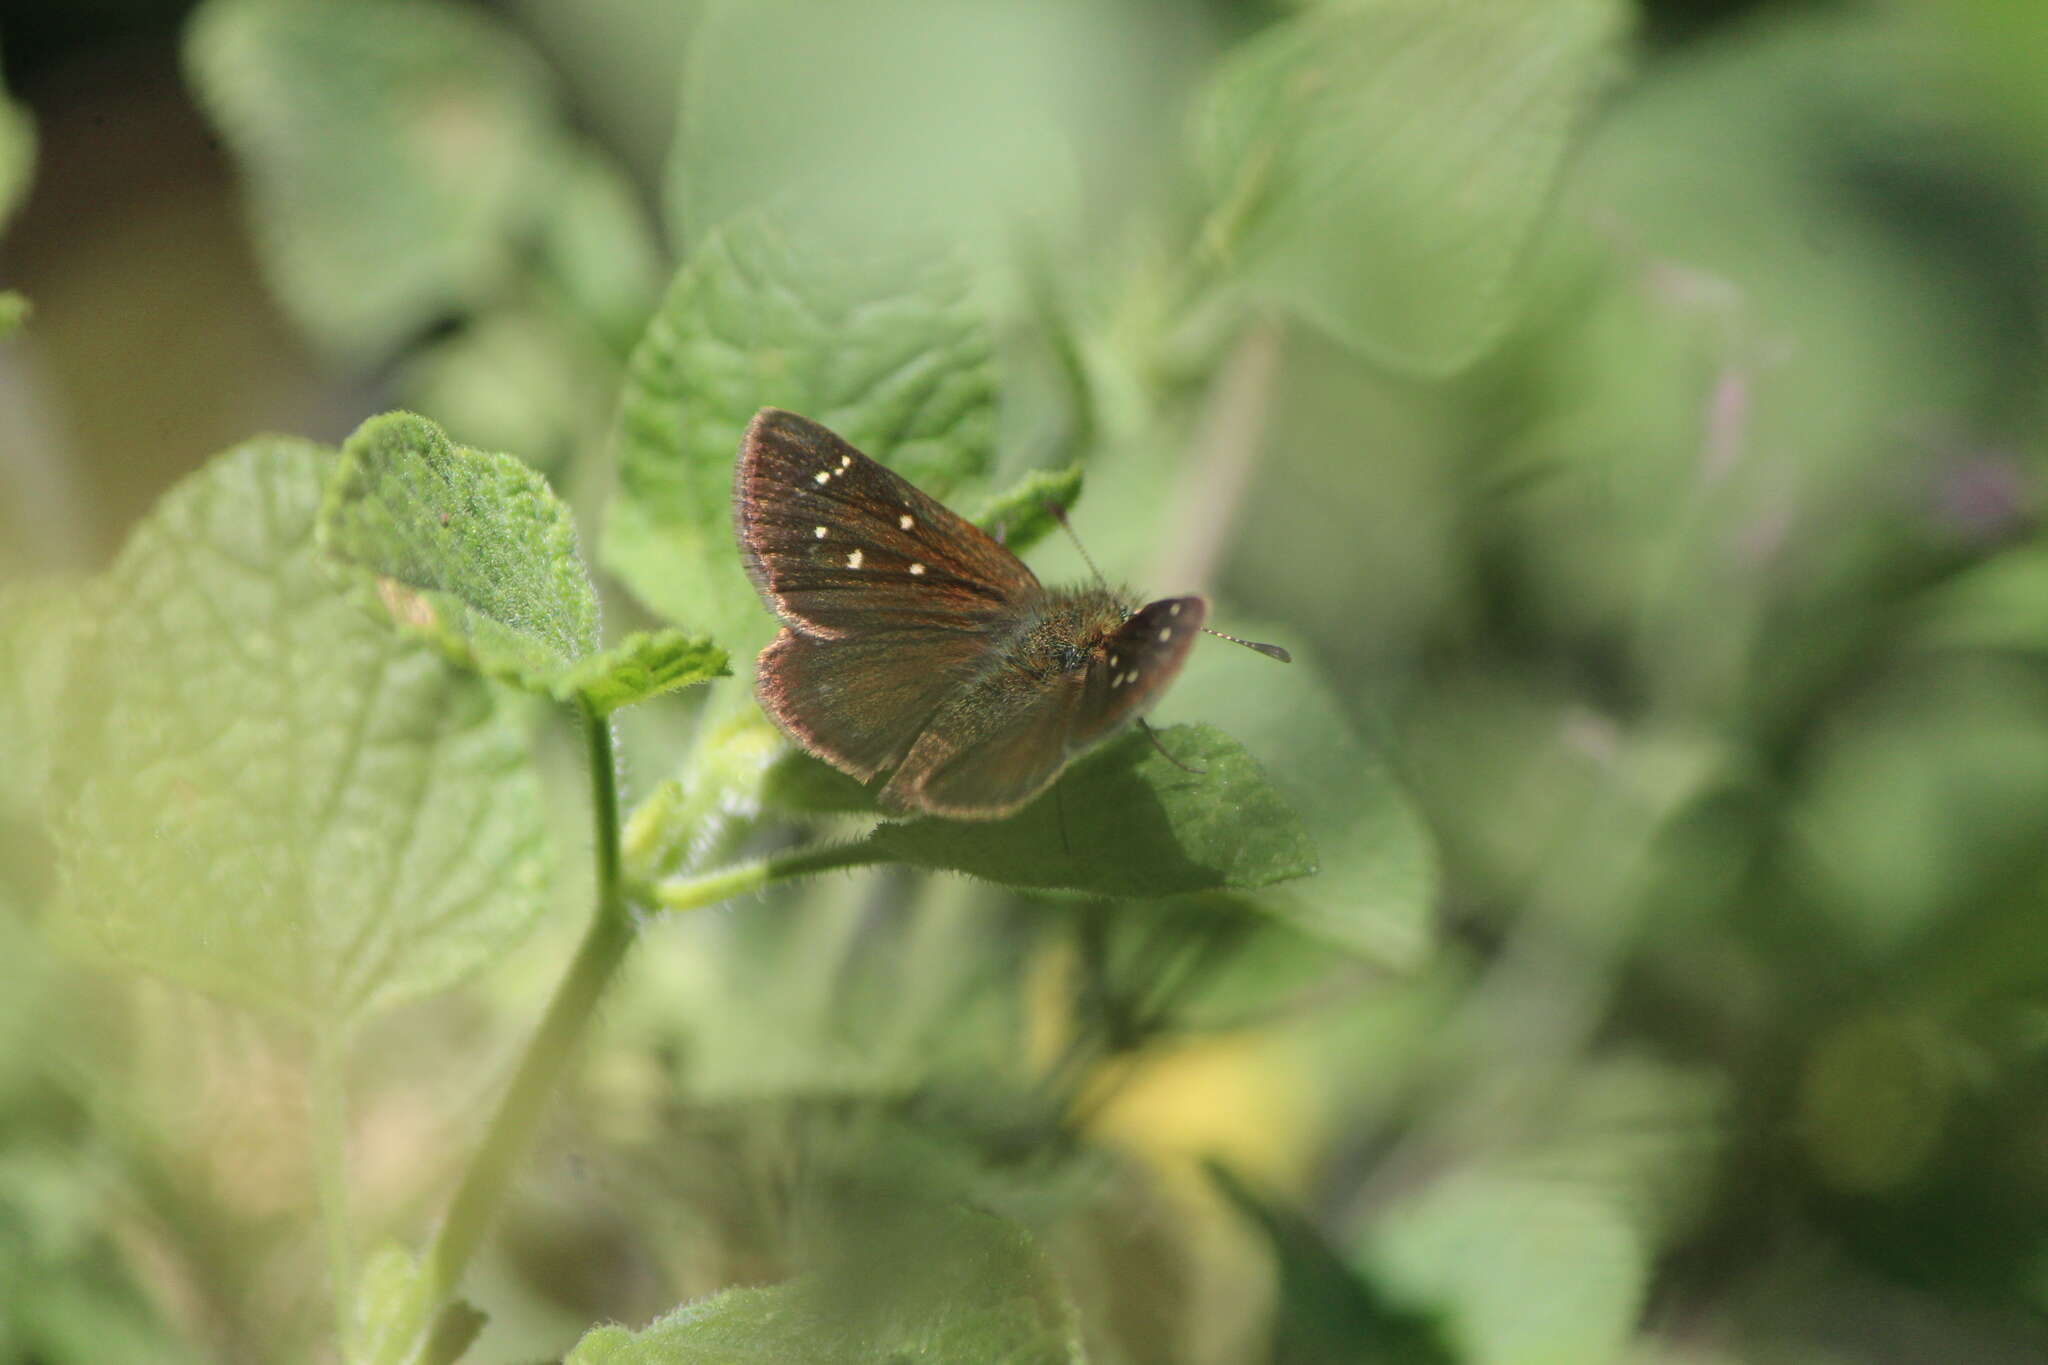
column 330, row 1155
column 691, row 893
column 568, row 1016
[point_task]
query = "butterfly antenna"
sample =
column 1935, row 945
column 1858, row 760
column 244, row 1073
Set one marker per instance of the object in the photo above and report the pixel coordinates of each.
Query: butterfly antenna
column 1270, row 651
column 1153, row 735
column 1059, row 514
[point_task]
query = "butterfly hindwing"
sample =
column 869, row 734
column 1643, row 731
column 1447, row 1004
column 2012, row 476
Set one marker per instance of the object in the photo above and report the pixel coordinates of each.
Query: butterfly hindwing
column 996, row 744
column 838, row 544
column 852, row 702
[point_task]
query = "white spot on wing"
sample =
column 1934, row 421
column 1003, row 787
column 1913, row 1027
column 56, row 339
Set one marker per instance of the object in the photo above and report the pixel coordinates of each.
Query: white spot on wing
column 1165, row 635
column 818, row 531
column 905, row 522
column 917, row 570
column 844, row 461
column 823, row 476
column 1173, row 610
column 853, row 560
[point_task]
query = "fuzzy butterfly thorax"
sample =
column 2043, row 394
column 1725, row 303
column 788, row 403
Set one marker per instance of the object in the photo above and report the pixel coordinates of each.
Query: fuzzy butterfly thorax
column 914, row 644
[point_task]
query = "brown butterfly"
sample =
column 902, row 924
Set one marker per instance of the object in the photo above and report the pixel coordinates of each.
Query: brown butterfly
column 913, row 641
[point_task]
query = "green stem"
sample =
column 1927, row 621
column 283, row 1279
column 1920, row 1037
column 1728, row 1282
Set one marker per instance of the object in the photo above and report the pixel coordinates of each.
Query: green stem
column 692, row 893
column 330, row 1154
column 547, row 1056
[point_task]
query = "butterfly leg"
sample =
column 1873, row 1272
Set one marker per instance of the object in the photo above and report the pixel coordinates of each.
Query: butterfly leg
column 1153, row 735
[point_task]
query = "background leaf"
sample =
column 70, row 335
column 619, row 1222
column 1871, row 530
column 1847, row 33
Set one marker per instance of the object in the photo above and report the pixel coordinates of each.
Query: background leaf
column 891, row 350
column 1382, row 166
column 1125, row 821
column 40, row 621
column 918, row 116
column 1377, row 890
column 17, row 160
column 395, row 151
column 271, row 797
column 473, row 551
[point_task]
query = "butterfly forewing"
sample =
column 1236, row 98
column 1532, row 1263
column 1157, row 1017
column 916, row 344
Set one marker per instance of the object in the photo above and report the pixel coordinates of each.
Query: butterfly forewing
column 840, row 545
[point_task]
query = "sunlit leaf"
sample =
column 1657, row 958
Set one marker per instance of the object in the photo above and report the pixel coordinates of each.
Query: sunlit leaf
column 474, row 552
column 270, row 796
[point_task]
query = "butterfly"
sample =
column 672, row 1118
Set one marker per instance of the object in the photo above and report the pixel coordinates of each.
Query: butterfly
column 914, row 643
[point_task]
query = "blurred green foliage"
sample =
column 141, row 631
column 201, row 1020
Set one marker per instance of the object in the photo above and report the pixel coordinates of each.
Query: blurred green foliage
column 1618, row 937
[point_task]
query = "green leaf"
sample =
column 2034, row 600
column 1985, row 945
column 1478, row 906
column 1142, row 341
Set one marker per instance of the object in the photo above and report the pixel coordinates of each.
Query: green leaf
column 388, row 1318
column 270, row 797
column 971, row 123
column 1527, row 1269
column 14, row 310
column 977, row 1292
column 1376, row 895
column 40, row 622
column 597, row 248
column 1022, row 516
column 890, row 350
column 1125, row 821
column 396, row 152
column 2000, row 604
column 644, row 664
column 473, row 552
column 1383, row 165
column 17, row 161
column 1328, row 1314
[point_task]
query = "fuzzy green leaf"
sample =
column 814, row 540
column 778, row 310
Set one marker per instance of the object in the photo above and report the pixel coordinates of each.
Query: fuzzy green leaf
column 1021, row 516
column 889, row 350
column 473, row 552
column 978, row 1293
column 270, row 797
column 1376, row 895
column 395, row 150
column 645, row 664
column 1383, row 165
column 1125, row 821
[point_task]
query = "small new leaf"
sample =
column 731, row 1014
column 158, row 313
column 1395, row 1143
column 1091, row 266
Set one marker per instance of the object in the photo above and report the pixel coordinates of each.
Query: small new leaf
column 473, row 552
column 644, row 664
column 265, row 794
column 1023, row 515
column 1126, row 820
